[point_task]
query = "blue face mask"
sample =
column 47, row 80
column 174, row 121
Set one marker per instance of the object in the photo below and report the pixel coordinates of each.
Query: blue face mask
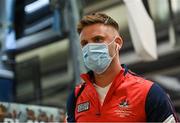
column 96, row 56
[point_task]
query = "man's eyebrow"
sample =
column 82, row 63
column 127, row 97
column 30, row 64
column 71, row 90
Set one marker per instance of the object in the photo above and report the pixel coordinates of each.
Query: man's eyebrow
column 83, row 40
column 93, row 38
column 98, row 37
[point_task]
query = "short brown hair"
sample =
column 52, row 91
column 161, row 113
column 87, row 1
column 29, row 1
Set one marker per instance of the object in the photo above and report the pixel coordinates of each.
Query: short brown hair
column 96, row 18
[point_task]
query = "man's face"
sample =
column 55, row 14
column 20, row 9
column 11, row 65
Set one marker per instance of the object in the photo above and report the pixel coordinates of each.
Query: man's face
column 98, row 33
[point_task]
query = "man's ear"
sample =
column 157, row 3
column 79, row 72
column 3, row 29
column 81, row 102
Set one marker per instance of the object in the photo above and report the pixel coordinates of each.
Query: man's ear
column 119, row 42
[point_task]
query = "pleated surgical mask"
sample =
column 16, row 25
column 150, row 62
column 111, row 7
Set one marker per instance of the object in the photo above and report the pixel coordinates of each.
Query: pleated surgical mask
column 96, row 56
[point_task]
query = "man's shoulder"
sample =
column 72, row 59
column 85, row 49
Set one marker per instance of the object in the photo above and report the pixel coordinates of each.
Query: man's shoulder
column 135, row 79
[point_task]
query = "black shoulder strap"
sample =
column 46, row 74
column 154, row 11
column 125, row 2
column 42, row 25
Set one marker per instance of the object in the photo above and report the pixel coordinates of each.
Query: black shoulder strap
column 129, row 71
column 71, row 104
column 125, row 68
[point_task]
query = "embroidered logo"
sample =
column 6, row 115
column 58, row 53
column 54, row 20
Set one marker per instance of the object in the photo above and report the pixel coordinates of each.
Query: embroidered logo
column 124, row 103
column 124, row 109
column 83, row 107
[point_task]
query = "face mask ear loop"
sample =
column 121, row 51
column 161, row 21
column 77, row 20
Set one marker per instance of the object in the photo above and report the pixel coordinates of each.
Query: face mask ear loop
column 111, row 42
column 113, row 55
column 117, row 49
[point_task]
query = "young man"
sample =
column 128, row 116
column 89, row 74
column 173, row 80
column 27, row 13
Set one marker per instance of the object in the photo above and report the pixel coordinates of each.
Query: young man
column 112, row 93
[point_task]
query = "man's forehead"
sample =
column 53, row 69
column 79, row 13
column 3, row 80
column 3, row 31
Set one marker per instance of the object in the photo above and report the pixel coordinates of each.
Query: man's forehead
column 94, row 30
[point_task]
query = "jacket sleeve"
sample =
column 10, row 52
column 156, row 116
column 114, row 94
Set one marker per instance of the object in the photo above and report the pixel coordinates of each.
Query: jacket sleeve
column 158, row 106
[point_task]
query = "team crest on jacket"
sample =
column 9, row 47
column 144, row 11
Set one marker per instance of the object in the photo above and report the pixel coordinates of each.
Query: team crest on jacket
column 124, row 103
column 123, row 110
column 83, row 107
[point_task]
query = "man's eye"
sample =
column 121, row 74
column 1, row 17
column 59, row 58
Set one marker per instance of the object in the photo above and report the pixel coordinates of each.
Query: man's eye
column 98, row 40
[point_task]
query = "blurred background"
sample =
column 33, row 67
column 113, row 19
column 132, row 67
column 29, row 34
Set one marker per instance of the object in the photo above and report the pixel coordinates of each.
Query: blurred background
column 40, row 56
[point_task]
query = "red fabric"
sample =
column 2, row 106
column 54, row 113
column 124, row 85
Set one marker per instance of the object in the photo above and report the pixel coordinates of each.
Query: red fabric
column 129, row 89
column 78, row 87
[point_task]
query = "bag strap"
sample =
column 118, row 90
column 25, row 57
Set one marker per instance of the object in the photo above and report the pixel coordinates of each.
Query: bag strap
column 71, row 103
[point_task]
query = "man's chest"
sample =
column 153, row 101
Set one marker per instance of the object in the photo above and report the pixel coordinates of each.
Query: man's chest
column 121, row 108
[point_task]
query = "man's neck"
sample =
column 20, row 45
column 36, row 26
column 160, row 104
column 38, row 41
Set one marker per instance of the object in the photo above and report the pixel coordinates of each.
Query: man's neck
column 109, row 75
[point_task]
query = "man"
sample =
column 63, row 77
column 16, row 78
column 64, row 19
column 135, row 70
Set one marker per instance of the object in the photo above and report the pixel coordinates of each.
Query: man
column 112, row 93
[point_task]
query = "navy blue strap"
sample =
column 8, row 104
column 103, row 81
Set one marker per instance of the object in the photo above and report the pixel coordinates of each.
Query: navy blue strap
column 125, row 68
column 129, row 71
column 70, row 107
column 71, row 104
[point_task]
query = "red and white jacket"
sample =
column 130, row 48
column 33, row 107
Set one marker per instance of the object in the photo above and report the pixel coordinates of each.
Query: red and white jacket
column 130, row 99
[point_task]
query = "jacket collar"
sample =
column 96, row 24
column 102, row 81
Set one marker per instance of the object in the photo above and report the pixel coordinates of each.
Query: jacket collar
column 88, row 77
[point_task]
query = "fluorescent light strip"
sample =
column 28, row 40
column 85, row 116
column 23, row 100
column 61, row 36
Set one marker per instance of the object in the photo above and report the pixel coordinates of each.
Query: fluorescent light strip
column 36, row 5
